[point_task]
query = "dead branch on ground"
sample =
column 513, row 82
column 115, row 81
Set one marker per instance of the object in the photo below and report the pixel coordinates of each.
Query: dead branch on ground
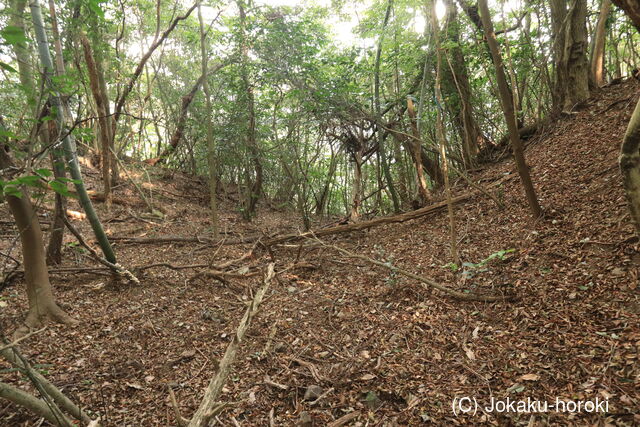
column 117, row 269
column 425, row 281
column 209, row 404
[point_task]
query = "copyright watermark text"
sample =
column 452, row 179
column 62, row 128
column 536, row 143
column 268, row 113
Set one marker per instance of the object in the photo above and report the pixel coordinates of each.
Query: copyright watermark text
column 471, row 405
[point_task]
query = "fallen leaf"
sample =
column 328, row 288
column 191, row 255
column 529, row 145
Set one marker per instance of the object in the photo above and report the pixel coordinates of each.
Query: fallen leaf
column 530, row 377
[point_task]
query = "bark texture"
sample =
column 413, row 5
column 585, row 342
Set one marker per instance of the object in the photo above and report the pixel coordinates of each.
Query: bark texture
column 630, row 166
column 508, row 109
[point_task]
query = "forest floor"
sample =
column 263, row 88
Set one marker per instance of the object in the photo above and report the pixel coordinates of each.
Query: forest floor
column 378, row 343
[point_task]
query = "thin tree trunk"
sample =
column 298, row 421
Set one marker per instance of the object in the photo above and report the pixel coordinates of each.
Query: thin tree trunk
column 67, row 142
column 507, row 107
column 211, row 143
column 442, row 138
column 597, row 54
column 379, row 134
column 356, row 198
column 103, row 125
column 416, row 149
column 254, row 189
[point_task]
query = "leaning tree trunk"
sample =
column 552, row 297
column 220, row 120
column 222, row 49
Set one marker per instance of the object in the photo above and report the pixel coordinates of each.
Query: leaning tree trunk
column 508, row 109
column 630, row 150
column 630, row 166
column 68, row 144
column 632, row 9
column 42, row 305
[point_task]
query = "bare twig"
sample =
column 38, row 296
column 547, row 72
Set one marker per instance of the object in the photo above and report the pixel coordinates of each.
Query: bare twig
column 24, row 337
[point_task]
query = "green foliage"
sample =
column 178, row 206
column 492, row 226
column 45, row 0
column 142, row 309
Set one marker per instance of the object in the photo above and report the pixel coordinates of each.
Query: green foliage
column 13, row 35
column 37, row 181
column 470, row 269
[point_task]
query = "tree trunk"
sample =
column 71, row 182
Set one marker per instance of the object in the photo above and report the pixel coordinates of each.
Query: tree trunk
column 376, row 96
column 254, row 189
column 630, row 166
column 21, row 51
column 68, row 144
column 103, row 124
column 442, row 139
column 507, row 107
column 54, row 248
column 632, row 9
column 211, row 143
column 356, row 198
column 558, row 15
column 597, row 54
column 416, row 150
column 42, row 305
column 457, row 89
column 575, row 54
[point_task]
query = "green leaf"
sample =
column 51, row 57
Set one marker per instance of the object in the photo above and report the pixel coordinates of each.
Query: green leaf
column 29, row 180
column 7, row 67
column 94, row 6
column 11, row 190
column 13, row 35
column 44, row 172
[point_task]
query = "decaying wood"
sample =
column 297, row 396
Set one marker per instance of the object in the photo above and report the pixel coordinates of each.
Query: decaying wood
column 210, row 401
column 182, row 239
column 424, row 280
column 344, row 419
column 427, row 210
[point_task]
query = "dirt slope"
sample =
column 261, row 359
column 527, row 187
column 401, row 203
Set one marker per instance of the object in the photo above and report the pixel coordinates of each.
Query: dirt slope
column 384, row 345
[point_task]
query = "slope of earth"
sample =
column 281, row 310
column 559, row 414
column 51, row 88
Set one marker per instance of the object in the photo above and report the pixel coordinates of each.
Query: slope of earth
column 360, row 340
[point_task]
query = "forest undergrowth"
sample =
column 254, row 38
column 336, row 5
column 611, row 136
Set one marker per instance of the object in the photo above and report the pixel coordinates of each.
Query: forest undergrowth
column 336, row 335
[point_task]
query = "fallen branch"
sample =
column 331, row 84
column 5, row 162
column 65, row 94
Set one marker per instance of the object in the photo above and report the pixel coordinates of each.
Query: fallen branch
column 209, row 403
column 418, row 213
column 33, row 404
column 181, row 239
column 344, row 419
column 117, row 269
column 426, row 282
column 22, row 338
column 47, row 389
column 182, row 422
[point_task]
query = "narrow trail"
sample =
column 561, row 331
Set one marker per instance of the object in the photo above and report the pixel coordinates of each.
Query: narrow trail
column 372, row 341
